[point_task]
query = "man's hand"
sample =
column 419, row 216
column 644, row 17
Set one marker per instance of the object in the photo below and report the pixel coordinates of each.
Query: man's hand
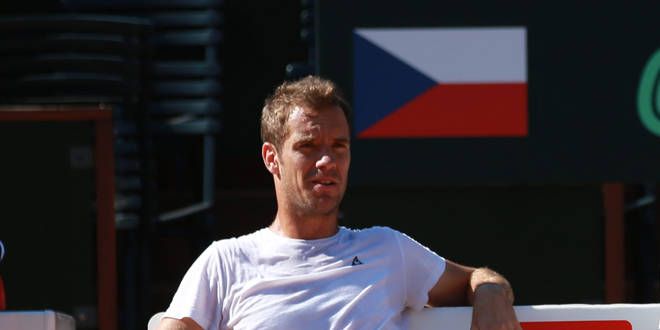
column 488, row 292
column 492, row 308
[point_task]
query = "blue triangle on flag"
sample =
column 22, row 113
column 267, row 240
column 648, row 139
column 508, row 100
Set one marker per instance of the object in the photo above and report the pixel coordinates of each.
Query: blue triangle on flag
column 381, row 83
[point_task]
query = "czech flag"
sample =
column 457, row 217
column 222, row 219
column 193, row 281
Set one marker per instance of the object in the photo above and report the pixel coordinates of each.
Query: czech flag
column 440, row 82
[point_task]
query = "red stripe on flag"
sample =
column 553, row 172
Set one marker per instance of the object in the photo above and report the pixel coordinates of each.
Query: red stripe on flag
column 577, row 325
column 458, row 110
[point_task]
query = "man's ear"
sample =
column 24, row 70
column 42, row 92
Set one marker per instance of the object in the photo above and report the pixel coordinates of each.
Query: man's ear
column 269, row 155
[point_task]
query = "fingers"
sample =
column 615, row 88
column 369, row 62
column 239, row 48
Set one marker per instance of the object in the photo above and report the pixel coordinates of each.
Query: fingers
column 495, row 320
column 510, row 326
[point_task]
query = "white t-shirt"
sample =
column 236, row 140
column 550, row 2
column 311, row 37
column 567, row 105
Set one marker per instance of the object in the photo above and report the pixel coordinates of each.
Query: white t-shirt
column 356, row 279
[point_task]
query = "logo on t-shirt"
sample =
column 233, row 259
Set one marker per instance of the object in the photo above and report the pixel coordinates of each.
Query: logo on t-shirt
column 356, row 261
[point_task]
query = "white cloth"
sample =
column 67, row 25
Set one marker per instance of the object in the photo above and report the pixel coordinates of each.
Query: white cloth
column 356, row 279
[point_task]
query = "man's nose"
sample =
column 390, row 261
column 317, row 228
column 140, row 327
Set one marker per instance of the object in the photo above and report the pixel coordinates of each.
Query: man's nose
column 326, row 162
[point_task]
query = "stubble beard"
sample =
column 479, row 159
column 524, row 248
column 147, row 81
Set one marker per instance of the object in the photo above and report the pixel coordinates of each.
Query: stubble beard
column 305, row 203
column 313, row 206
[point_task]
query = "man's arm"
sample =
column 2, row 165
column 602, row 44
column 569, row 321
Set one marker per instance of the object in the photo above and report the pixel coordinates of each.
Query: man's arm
column 186, row 323
column 488, row 292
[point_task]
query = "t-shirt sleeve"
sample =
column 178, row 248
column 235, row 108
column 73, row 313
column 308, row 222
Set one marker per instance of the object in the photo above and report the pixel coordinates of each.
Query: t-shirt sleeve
column 198, row 294
column 421, row 267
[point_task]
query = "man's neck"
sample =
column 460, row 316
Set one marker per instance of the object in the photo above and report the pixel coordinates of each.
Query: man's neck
column 304, row 227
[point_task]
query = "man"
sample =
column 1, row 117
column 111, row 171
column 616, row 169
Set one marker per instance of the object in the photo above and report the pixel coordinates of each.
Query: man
column 305, row 271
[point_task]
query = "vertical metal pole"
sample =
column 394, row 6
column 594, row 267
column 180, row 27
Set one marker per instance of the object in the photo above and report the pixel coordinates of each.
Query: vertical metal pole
column 209, row 169
column 105, row 227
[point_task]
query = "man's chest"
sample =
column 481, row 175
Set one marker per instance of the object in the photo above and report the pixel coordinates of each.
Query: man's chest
column 328, row 291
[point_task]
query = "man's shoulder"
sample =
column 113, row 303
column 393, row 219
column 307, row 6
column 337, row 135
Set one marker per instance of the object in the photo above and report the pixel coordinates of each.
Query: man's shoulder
column 236, row 245
column 374, row 231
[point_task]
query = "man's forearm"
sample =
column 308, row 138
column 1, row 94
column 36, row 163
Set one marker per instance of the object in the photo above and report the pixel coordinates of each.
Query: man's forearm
column 484, row 279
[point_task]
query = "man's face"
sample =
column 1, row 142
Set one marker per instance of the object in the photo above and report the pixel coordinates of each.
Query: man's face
column 314, row 160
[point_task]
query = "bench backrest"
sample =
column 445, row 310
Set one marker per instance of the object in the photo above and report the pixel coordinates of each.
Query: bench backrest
column 548, row 317
column 537, row 317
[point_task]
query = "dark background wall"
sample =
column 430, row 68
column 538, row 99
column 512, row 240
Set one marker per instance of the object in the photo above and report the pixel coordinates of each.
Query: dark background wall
column 548, row 239
column 47, row 222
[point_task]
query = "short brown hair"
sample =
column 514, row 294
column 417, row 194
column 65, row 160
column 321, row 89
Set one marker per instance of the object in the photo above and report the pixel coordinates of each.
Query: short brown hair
column 312, row 92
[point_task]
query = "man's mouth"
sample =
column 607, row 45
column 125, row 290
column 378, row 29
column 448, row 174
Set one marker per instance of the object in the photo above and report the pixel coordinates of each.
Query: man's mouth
column 324, row 183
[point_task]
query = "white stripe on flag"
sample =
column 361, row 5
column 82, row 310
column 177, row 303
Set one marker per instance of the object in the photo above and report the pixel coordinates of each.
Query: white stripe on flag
column 457, row 55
